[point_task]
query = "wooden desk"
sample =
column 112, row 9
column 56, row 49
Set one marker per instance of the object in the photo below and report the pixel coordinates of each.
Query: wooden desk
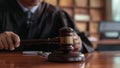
column 104, row 59
column 96, row 60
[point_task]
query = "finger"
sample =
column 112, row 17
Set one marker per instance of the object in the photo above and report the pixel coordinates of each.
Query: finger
column 76, row 48
column 77, row 42
column 76, row 39
column 16, row 39
column 75, row 36
column 1, row 45
column 4, row 42
column 10, row 42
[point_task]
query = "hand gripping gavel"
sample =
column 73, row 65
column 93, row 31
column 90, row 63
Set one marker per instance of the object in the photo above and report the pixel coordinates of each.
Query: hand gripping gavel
column 65, row 53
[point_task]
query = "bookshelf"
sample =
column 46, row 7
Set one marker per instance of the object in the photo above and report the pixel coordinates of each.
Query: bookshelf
column 86, row 13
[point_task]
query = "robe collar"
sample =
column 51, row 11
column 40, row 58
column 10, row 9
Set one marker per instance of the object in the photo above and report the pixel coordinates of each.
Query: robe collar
column 33, row 9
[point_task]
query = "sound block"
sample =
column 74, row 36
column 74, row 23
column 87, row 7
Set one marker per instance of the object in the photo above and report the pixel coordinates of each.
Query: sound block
column 60, row 56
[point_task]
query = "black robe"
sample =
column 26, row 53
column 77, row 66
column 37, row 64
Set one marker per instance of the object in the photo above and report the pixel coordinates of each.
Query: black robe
column 45, row 23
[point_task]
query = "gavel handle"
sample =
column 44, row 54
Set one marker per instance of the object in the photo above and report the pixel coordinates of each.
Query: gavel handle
column 41, row 41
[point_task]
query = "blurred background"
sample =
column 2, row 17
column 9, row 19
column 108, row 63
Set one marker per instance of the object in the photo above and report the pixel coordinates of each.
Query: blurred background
column 98, row 19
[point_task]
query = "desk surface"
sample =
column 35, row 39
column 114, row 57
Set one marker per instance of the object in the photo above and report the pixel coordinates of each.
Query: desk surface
column 96, row 60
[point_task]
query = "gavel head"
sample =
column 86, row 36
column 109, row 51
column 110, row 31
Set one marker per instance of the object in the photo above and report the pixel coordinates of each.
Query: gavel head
column 65, row 53
column 66, row 39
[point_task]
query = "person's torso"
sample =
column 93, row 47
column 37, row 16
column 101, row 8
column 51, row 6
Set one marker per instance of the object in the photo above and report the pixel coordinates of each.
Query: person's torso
column 42, row 24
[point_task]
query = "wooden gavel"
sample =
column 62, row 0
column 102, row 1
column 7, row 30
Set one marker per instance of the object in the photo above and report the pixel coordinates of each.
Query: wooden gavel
column 65, row 53
column 65, row 37
column 41, row 41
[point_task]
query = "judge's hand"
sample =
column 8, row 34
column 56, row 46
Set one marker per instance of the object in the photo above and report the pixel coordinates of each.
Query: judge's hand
column 77, row 42
column 9, row 40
